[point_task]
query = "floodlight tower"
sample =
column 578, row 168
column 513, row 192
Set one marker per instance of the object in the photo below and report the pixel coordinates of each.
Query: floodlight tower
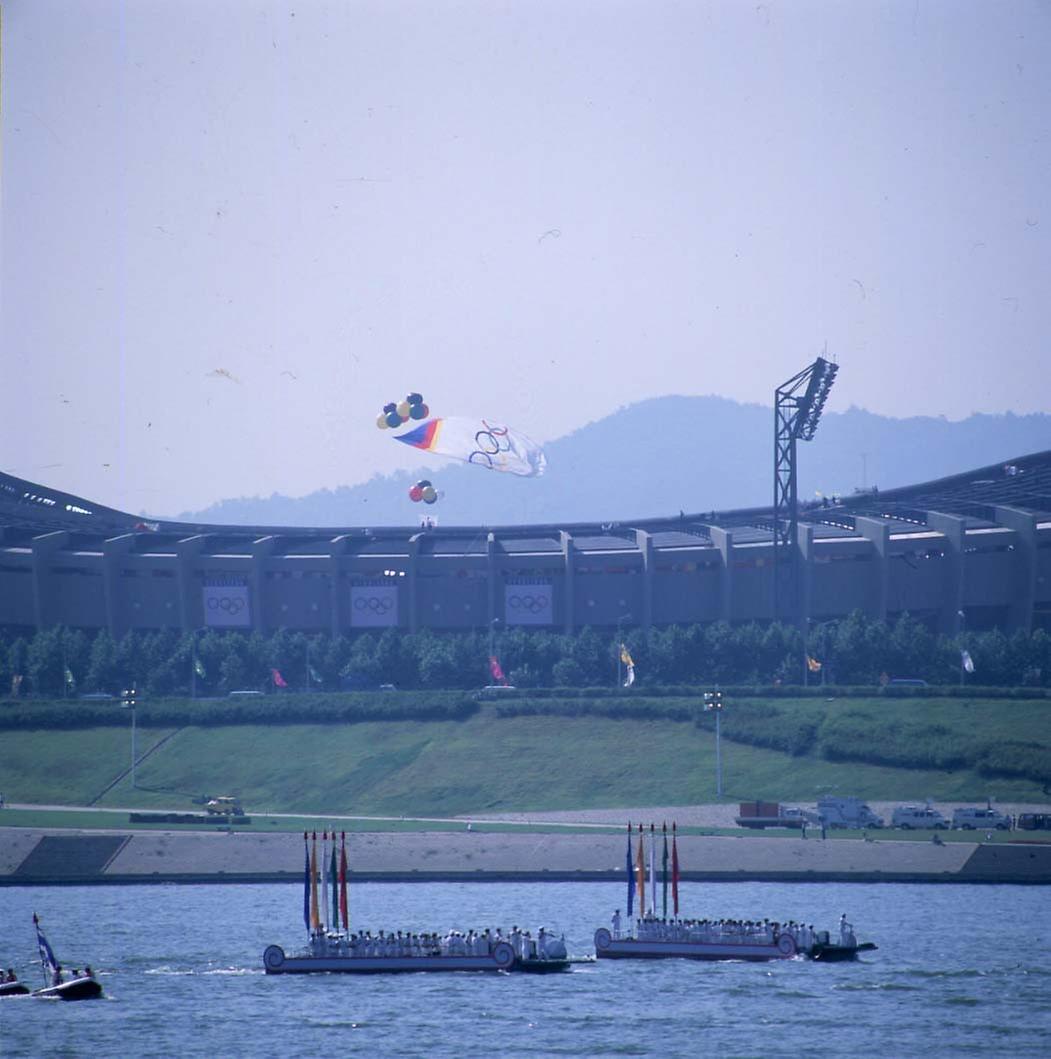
column 798, row 404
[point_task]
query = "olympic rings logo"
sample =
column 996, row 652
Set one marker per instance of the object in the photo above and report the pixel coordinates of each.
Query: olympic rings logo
column 490, row 442
column 532, row 604
column 374, row 603
column 230, row 604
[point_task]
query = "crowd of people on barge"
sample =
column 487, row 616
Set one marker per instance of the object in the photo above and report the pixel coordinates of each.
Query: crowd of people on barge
column 724, row 931
column 391, row 944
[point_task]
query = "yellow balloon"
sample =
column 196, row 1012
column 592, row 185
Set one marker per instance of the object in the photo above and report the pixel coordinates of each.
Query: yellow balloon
column 381, row 421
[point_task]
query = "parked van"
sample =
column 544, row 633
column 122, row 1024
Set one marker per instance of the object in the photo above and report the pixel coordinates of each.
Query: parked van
column 846, row 812
column 967, row 819
column 910, row 816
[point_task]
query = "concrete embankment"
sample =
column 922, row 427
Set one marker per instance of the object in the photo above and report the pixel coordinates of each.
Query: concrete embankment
column 38, row 857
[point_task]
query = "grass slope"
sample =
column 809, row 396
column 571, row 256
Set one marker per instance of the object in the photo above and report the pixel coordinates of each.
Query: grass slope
column 489, row 763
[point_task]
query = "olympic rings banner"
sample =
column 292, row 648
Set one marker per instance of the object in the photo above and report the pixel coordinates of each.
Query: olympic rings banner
column 227, row 607
column 528, row 603
column 372, row 606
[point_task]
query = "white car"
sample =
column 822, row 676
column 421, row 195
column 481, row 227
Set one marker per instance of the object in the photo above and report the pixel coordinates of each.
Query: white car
column 917, row 816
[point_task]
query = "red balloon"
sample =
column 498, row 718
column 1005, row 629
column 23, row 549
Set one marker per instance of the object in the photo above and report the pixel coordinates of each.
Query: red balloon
column 415, row 494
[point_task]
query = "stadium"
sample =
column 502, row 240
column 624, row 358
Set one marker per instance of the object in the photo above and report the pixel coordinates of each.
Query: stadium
column 972, row 551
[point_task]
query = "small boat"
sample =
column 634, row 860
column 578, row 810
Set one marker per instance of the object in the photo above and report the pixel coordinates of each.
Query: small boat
column 13, row 989
column 847, row 948
column 79, row 987
column 75, row 989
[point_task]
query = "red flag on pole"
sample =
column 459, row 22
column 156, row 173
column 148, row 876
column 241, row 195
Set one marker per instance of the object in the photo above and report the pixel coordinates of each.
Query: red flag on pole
column 674, row 871
column 497, row 672
column 279, row 681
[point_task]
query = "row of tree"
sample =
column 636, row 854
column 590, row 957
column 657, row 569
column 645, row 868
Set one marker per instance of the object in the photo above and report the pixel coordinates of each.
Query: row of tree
column 854, row 651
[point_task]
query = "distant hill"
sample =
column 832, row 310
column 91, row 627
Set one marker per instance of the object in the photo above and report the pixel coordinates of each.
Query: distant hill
column 658, row 457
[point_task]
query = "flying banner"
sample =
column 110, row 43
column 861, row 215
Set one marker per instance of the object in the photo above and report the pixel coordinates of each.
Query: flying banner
column 493, row 446
column 373, row 606
column 528, row 603
column 227, row 607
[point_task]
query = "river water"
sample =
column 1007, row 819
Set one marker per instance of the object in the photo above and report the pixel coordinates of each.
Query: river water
column 960, row 970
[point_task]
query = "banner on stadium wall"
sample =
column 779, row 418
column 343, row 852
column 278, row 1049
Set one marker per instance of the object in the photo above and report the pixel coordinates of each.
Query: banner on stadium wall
column 372, row 606
column 227, row 607
column 528, row 603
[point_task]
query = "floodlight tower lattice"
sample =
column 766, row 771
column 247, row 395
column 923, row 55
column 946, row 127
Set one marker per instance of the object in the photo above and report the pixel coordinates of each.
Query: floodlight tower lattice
column 798, row 404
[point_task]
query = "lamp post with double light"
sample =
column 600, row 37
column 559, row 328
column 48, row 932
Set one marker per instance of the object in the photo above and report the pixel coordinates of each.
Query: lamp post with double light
column 713, row 701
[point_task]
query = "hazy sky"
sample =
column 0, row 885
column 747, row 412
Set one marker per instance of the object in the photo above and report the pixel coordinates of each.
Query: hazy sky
column 232, row 230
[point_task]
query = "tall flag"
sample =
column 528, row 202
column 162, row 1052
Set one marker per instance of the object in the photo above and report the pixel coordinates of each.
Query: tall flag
column 326, row 921
column 674, row 871
column 315, row 917
column 314, row 675
column 71, row 683
column 334, row 879
column 343, row 909
column 625, row 657
column 813, row 664
column 16, row 683
column 631, row 877
column 47, row 957
column 640, row 875
column 653, row 873
column 306, row 882
column 279, row 681
column 664, row 874
column 497, row 672
column 198, row 668
column 967, row 661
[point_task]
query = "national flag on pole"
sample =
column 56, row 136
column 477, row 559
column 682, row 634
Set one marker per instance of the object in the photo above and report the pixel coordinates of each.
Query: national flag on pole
column 664, row 874
column 47, row 957
column 198, row 668
column 16, row 683
column 315, row 915
column 344, row 911
column 674, row 872
column 653, row 873
column 314, row 675
column 325, row 921
column 496, row 671
column 70, row 682
column 626, row 659
column 967, row 660
column 640, row 875
column 631, row 877
column 306, row 882
column 334, row 878
column 279, row 681
column 813, row 664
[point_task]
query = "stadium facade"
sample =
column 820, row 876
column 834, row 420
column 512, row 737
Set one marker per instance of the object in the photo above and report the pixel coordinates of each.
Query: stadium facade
column 971, row 551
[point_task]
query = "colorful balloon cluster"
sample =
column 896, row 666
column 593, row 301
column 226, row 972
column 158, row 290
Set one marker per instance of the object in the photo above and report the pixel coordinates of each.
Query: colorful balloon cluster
column 423, row 490
column 397, row 414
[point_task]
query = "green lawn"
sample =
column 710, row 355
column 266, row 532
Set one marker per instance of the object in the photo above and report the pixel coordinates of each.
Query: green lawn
column 489, row 764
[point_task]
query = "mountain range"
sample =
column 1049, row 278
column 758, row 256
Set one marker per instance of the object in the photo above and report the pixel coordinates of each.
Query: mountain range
column 658, row 457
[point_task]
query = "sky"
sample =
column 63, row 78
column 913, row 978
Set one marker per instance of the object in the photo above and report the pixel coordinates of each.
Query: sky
column 232, row 230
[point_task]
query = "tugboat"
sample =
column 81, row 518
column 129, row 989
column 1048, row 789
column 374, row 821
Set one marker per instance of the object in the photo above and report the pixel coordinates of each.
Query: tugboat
column 80, row 987
column 332, row 948
column 650, row 938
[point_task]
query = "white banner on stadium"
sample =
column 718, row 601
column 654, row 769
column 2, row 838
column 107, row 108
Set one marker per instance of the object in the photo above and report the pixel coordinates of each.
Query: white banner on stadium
column 370, row 607
column 528, row 603
column 226, row 607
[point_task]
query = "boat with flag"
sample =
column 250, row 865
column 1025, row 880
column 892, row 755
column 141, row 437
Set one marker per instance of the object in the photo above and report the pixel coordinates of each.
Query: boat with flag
column 57, row 985
column 332, row 947
column 643, row 935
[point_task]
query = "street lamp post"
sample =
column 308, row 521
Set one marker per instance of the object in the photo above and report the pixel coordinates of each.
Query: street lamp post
column 963, row 627
column 128, row 700
column 713, row 700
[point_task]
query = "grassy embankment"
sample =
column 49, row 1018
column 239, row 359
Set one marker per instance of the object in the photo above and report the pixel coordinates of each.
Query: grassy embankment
column 531, row 753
